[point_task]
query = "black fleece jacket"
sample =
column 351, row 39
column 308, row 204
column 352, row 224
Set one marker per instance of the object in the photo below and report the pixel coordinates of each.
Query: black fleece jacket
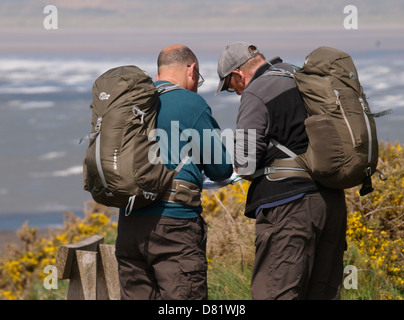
column 273, row 107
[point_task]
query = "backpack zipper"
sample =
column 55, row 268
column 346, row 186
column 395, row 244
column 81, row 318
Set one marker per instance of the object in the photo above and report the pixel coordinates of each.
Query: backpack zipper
column 345, row 117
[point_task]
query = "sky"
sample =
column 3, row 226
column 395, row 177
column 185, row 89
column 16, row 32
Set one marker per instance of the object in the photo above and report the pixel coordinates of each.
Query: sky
column 191, row 14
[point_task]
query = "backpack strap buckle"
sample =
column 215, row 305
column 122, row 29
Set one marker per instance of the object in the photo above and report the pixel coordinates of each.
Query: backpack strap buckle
column 281, row 169
column 183, row 192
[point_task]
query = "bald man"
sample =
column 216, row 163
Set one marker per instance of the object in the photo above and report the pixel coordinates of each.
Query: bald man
column 161, row 249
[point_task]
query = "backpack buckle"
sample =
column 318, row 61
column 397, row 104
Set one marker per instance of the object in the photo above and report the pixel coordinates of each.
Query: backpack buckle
column 137, row 112
column 98, row 125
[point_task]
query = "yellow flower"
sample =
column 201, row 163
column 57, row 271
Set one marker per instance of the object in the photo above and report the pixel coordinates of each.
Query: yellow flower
column 10, row 295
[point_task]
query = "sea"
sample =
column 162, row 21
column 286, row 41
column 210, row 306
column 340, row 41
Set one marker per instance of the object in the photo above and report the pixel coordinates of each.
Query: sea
column 44, row 104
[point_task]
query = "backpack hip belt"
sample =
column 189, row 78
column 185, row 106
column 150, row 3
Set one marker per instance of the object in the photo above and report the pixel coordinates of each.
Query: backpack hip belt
column 281, row 169
column 183, row 192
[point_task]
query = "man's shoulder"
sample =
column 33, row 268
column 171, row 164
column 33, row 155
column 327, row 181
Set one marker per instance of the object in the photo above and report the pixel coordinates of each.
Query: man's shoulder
column 182, row 102
column 271, row 81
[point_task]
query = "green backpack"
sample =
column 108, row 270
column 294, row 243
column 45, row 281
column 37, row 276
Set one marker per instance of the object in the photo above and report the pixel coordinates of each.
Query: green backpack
column 343, row 146
column 116, row 170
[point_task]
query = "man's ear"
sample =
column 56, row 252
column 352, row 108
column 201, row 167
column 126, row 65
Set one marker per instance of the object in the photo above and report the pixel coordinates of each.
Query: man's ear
column 239, row 76
column 240, row 73
column 192, row 84
column 191, row 70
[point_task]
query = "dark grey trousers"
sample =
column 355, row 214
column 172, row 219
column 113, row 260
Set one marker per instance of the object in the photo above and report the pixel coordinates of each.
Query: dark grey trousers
column 161, row 258
column 300, row 248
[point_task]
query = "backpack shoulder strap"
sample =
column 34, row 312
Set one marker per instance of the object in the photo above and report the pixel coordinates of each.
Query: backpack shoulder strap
column 167, row 87
column 278, row 72
column 274, row 143
column 164, row 88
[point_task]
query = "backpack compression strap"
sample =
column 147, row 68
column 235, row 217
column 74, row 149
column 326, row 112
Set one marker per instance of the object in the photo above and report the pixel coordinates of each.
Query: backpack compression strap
column 183, row 192
column 282, row 168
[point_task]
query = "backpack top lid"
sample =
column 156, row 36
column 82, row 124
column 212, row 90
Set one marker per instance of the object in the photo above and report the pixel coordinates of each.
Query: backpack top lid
column 326, row 61
column 123, row 86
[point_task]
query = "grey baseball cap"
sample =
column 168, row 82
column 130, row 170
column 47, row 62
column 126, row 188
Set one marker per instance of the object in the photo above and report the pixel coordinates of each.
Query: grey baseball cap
column 233, row 56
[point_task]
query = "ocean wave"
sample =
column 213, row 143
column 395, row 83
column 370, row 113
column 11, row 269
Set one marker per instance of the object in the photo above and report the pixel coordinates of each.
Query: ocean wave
column 72, row 171
column 18, row 90
column 47, row 76
column 29, row 76
column 28, row 105
column 20, row 72
column 52, row 155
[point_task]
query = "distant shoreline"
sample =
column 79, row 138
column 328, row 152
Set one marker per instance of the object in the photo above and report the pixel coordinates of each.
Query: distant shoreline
column 11, row 222
column 204, row 41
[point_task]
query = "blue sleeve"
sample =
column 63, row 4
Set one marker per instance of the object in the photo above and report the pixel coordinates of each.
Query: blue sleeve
column 215, row 159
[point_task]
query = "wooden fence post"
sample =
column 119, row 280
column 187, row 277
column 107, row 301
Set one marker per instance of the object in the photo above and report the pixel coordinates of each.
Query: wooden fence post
column 91, row 268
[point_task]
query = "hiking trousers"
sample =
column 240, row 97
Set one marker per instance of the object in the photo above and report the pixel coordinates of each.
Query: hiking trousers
column 161, row 258
column 300, row 247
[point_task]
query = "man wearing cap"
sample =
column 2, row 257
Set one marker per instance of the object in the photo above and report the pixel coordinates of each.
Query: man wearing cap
column 300, row 225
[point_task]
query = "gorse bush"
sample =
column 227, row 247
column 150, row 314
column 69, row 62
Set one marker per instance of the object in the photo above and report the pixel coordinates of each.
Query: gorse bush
column 22, row 268
column 376, row 224
column 374, row 236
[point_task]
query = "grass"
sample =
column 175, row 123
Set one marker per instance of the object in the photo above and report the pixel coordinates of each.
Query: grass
column 228, row 281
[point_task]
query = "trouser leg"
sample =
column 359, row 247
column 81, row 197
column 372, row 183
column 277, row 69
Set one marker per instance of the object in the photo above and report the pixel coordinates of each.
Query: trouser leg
column 162, row 257
column 136, row 281
column 327, row 274
column 179, row 262
column 287, row 244
column 136, row 278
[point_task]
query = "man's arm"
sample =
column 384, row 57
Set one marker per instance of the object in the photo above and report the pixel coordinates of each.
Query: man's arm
column 216, row 161
column 252, row 126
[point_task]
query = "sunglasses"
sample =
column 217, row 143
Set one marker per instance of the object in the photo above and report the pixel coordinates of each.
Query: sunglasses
column 201, row 79
column 227, row 84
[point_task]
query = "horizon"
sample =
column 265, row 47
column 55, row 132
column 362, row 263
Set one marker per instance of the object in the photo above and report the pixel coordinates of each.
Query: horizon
column 205, row 44
column 125, row 27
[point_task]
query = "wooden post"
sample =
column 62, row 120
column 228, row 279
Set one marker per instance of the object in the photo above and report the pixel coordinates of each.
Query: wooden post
column 110, row 270
column 91, row 268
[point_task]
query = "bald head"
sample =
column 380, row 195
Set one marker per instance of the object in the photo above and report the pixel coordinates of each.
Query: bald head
column 176, row 54
column 178, row 64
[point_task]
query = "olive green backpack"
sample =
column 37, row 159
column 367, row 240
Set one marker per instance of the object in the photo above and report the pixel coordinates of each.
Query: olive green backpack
column 343, row 146
column 117, row 170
